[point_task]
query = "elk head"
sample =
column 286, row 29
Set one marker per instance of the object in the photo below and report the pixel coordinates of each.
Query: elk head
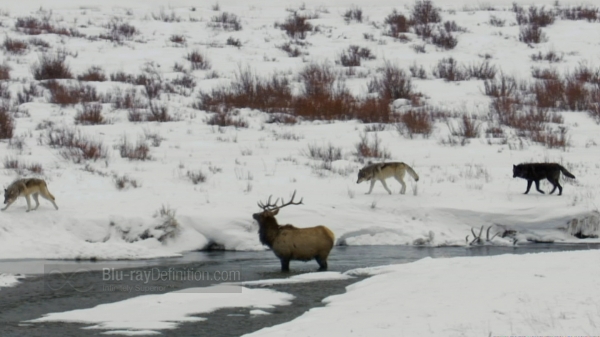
column 268, row 228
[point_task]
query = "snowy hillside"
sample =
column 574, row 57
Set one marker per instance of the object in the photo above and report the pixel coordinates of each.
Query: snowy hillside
column 143, row 163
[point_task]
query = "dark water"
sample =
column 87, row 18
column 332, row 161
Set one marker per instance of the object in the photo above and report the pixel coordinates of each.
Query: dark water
column 84, row 285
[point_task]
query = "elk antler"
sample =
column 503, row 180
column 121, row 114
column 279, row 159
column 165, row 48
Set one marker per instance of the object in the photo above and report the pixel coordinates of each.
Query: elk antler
column 273, row 206
column 268, row 206
column 477, row 240
column 291, row 202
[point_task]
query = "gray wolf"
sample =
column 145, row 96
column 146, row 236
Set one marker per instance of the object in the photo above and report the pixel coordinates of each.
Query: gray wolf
column 25, row 188
column 383, row 171
column 534, row 172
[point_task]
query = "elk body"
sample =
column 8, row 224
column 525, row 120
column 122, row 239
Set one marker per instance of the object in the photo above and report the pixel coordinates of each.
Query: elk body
column 292, row 243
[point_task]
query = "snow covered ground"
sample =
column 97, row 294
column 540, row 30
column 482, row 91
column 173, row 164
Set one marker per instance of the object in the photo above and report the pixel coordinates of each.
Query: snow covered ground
column 460, row 187
column 507, row 295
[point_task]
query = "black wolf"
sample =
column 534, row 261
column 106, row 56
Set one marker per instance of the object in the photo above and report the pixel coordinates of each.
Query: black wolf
column 538, row 171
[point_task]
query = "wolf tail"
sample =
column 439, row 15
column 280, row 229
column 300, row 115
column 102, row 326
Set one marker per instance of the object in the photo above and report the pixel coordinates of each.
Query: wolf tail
column 412, row 172
column 565, row 172
column 48, row 192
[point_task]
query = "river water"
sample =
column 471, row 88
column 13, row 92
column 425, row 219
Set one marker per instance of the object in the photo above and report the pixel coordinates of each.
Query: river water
column 55, row 286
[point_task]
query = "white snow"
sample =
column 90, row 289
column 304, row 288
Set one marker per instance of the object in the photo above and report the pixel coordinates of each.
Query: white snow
column 545, row 294
column 259, row 312
column 302, row 278
column 9, row 280
column 460, row 187
column 166, row 311
column 131, row 332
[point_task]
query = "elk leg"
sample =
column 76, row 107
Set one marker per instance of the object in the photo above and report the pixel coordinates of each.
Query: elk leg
column 285, row 265
column 322, row 263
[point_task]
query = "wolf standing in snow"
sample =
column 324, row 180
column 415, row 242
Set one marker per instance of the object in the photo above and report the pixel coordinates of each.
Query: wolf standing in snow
column 534, row 172
column 25, row 188
column 382, row 171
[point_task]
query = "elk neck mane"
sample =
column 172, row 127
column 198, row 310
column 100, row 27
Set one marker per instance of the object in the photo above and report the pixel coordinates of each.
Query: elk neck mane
column 268, row 231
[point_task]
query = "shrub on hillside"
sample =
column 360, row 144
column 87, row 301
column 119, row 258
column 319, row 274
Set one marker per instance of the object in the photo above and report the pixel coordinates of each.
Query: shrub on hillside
column 227, row 118
column 415, row 121
column 398, row 24
column 15, row 46
column 74, row 145
column 352, row 56
column 394, row 83
column 159, row 113
column 226, row 21
column 93, row 74
column 450, row 70
column 248, row 90
column 7, row 122
column 532, row 34
column 4, row 72
column 424, row 12
column 367, row 149
column 444, row 39
column 51, row 67
column 589, row 13
column 482, row 71
column 65, row 94
column 197, row 60
column 504, row 86
column 296, row 26
column 91, row 114
column 137, row 151
column 353, row 14
column 119, row 31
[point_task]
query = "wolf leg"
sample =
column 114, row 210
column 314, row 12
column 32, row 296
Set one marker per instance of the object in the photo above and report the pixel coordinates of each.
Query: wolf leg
column 528, row 186
column 537, row 187
column 10, row 203
column 401, row 181
column 37, row 202
column 556, row 184
column 49, row 199
column 372, row 185
column 385, row 185
column 28, row 202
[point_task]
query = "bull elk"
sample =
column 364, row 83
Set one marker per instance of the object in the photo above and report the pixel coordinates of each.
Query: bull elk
column 289, row 242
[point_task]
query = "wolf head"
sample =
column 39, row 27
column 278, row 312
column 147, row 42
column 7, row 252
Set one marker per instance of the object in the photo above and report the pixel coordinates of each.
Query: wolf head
column 10, row 195
column 517, row 171
column 364, row 174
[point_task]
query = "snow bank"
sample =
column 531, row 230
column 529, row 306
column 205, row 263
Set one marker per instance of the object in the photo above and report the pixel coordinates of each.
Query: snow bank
column 546, row 294
column 8, row 280
column 142, row 314
column 302, row 278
